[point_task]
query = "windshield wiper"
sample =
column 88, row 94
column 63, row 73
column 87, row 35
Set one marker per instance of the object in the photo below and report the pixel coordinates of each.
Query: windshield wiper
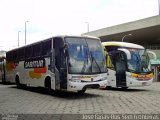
column 95, row 62
column 84, row 67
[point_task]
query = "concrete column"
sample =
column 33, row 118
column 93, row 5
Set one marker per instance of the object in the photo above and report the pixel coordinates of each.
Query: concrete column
column 156, row 74
column 158, row 77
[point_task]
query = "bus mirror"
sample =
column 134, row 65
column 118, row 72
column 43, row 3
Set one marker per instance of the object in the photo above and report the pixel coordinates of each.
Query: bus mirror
column 52, row 53
column 63, row 70
column 64, row 48
column 66, row 52
column 52, row 57
column 152, row 53
column 127, row 52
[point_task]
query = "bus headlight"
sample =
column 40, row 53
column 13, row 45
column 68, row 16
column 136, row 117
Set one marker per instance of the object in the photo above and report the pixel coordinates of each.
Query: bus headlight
column 74, row 80
column 104, row 78
column 142, row 77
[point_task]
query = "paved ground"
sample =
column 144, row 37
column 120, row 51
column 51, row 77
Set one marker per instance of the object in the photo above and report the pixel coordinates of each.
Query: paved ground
column 140, row 100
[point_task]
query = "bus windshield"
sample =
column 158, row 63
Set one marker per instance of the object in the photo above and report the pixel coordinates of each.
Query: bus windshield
column 139, row 62
column 85, row 56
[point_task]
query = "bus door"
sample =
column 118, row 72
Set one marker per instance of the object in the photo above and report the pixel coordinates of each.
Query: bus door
column 119, row 62
column 60, row 64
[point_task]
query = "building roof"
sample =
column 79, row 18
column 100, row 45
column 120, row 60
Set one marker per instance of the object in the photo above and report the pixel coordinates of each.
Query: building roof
column 143, row 31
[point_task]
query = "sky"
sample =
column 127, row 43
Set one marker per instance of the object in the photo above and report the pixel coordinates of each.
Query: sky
column 47, row 18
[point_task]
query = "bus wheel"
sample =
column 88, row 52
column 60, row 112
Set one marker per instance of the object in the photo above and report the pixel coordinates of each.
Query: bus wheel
column 82, row 91
column 3, row 80
column 48, row 86
column 17, row 82
column 108, row 87
column 124, row 88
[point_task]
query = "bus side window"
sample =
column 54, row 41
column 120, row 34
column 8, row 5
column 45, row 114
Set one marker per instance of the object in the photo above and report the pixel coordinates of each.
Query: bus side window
column 14, row 55
column 8, row 56
column 20, row 54
column 28, row 52
column 37, row 50
column 46, row 47
column 109, row 62
column 57, row 45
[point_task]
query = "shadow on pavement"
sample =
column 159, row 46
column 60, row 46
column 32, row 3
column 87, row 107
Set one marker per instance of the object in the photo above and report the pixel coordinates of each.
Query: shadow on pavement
column 6, row 83
column 126, row 90
column 60, row 94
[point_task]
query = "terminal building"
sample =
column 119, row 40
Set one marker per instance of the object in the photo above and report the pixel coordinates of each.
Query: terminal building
column 145, row 32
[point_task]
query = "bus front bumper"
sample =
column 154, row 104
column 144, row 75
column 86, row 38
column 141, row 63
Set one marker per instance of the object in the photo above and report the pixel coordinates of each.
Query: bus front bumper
column 137, row 83
column 76, row 86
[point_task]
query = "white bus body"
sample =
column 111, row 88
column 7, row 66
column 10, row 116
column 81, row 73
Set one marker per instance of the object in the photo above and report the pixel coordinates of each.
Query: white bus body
column 128, row 65
column 71, row 63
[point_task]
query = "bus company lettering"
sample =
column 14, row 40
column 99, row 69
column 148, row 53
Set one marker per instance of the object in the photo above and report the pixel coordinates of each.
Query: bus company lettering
column 34, row 63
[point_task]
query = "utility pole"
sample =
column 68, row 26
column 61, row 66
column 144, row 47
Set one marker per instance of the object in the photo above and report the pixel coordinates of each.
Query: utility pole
column 126, row 36
column 87, row 26
column 25, row 30
column 18, row 37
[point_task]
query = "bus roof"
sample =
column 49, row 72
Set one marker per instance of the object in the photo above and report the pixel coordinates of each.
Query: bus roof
column 122, row 44
column 62, row 36
column 76, row 36
column 81, row 36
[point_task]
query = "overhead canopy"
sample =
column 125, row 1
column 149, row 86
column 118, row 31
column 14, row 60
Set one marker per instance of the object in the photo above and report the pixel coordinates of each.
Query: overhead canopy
column 145, row 32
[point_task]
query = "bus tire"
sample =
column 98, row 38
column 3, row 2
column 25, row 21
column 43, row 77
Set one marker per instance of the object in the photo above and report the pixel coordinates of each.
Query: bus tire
column 124, row 88
column 18, row 85
column 50, row 91
column 108, row 87
column 82, row 91
column 3, row 80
